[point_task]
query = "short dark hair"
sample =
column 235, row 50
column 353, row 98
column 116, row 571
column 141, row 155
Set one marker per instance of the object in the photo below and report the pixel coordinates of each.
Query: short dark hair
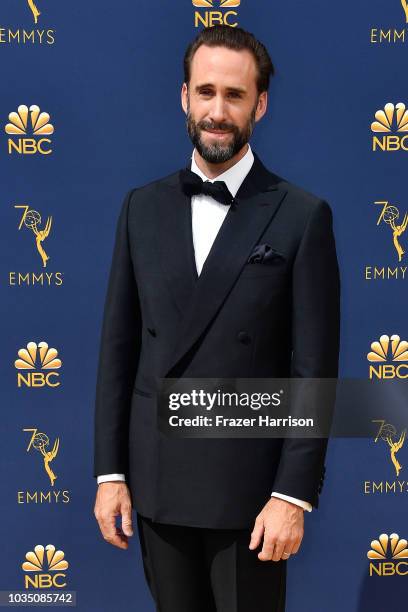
column 232, row 38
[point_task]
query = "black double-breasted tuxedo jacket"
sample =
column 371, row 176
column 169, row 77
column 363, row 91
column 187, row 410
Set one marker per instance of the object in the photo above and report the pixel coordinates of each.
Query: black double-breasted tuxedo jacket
column 236, row 319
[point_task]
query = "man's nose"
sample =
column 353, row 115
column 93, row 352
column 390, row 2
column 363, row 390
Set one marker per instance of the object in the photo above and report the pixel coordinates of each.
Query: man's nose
column 217, row 110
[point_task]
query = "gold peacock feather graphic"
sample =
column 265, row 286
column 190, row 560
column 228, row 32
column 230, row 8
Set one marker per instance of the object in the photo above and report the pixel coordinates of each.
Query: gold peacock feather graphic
column 28, row 357
column 385, row 544
column 391, row 115
column 36, row 559
column 210, row 3
column 39, row 121
column 380, row 349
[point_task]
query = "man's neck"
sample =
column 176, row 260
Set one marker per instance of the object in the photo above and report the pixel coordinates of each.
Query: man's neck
column 214, row 170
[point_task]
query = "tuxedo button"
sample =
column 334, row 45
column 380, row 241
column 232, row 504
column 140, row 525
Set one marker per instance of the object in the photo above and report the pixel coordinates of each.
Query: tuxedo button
column 152, row 331
column 244, row 337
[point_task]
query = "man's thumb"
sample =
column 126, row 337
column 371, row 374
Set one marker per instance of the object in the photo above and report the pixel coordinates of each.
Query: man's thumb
column 127, row 522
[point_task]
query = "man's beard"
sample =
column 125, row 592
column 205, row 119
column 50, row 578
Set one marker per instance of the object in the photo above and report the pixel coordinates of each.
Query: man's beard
column 219, row 152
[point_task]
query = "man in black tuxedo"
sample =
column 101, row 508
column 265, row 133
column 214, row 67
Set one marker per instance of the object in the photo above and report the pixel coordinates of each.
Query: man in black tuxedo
column 225, row 270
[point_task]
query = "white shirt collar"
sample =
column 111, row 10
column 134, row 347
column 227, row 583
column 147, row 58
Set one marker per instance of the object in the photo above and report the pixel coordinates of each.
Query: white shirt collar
column 234, row 176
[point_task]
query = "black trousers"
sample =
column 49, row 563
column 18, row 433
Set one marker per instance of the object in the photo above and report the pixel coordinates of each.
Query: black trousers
column 194, row 569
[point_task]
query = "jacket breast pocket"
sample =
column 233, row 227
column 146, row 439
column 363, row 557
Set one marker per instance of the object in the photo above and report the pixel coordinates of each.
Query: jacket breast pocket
column 270, row 269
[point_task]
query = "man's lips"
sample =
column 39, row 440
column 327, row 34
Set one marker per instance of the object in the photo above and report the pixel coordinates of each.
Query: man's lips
column 218, row 132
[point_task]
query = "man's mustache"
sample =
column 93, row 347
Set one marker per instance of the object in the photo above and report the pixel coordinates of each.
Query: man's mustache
column 204, row 125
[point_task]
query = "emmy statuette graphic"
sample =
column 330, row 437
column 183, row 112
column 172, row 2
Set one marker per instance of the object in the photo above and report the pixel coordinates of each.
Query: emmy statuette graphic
column 405, row 7
column 40, row 441
column 36, row 13
column 389, row 215
column 388, row 434
column 32, row 219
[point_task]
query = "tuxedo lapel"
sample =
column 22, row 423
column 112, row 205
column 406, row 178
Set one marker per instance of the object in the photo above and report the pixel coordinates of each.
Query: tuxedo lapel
column 200, row 297
column 175, row 244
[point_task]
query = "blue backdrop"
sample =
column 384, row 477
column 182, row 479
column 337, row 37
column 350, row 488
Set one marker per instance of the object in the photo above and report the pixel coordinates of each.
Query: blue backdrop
column 109, row 75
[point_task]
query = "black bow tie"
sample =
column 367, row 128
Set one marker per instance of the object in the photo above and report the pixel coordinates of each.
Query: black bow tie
column 192, row 184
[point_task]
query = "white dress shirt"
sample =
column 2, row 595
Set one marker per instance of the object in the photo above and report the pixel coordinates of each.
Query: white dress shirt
column 207, row 218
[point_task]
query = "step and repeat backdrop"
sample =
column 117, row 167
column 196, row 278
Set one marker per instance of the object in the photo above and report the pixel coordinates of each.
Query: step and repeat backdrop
column 89, row 108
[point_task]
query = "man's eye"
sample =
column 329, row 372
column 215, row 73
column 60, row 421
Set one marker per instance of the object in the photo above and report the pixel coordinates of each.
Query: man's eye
column 235, row 94
column 206, row 92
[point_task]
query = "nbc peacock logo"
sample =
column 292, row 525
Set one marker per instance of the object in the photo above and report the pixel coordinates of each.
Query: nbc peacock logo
column 385, row 350
column 222, row 3
column 29, row 129
column 45, row 567
column 210, row 16
column 385, row 556
column 38, row 357
column 391, row 121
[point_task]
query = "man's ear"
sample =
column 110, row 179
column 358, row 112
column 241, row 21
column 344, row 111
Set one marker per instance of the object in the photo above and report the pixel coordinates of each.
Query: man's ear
column 261, row 105
column 184, row 94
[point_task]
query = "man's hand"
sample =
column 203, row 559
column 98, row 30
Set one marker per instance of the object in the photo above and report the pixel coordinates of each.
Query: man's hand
column 281, row 524
column 113, row 499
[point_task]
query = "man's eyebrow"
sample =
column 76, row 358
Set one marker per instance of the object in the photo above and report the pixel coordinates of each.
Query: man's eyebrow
column 204, row 85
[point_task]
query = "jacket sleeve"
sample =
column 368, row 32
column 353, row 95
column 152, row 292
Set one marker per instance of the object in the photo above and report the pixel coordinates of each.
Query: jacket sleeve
column 315, row 345
column 118, row 357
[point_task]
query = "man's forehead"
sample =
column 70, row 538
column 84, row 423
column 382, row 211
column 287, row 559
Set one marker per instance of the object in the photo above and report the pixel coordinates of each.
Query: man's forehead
column 235, row 68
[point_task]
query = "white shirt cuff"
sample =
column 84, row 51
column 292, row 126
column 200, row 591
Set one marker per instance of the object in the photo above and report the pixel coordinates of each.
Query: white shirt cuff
column 299, row 502
column 109, row 477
